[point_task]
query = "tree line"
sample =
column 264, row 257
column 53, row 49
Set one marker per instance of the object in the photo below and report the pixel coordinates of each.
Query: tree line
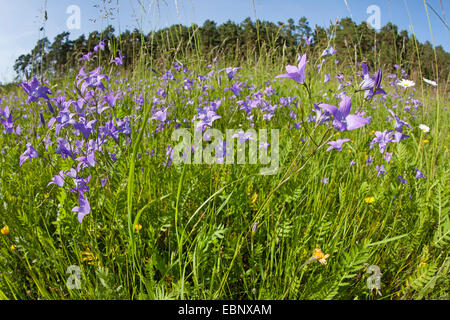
column 235, row 42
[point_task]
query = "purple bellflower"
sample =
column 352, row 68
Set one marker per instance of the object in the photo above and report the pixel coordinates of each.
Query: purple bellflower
column 419, row 174
column 402, row 180
column 118, row 60
column 100, row 46
column 86, row 57
column 84, row 126
column 296, row 73
column 343, row 120
column 308, row 40
column 337, row 144
column 380, row 170
column 207, row 117
column 7, row 120
column 93, row 80
column 58, row 179
column 243, row 136
column 29, row 153
column 230, row 71
column 83, row 208
column 371, row 85
column 160, row 115
column 35, row 91
column 388, row 156
column 329, row 52
column 382, row 138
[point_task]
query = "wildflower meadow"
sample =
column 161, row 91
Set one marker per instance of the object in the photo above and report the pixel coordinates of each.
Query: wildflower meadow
column 313, row 175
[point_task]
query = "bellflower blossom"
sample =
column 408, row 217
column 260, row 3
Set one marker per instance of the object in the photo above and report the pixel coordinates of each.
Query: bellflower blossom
column 100, row 46
column 419, row 174
column 402, row 180
column 29, row 153
column 371, row 85
column 206, row 117
column 86, row 57
column 91, row 80
column 58, row 179
column 83, row 208
column 343, row 120
column 35, row 91
column 308, row 40
column 230, row 71
column 337, row 144
column 160, row 115
column 118, row 60
column 388, row 156
column 243, row 136
column 7, row 120
column 380, row 170
column 382, row 138
column 328, row 51
column 296, row 73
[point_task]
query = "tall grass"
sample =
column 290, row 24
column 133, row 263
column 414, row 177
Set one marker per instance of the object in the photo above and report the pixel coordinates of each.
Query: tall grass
column 224, row 231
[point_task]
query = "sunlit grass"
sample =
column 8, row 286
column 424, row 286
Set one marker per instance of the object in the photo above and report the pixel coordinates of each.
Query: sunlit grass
column 158, row 231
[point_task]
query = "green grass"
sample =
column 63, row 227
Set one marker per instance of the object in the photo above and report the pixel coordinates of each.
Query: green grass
column 196, row 240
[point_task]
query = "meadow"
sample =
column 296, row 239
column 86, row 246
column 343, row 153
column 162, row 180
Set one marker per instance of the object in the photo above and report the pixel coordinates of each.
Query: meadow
column 93, row 204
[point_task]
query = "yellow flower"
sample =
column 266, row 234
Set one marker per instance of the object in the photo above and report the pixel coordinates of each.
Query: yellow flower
column 5, row 230
column 369, row 200
column 426, row 141
column 89, row 257
column 138, row 227
column 13, row 247
column 46, row 195
column 318, row 255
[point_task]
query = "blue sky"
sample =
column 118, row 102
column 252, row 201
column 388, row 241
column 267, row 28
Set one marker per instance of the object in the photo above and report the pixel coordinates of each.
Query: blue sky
column 21, row 19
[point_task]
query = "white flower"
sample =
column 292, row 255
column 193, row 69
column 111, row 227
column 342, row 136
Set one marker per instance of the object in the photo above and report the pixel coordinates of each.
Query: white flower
column 424, row 128
column 433, row 83
column 406, row 83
